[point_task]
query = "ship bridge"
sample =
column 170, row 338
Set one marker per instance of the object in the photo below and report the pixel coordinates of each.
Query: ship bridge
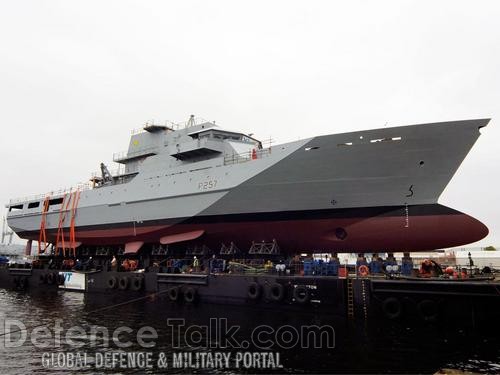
column 209, row 140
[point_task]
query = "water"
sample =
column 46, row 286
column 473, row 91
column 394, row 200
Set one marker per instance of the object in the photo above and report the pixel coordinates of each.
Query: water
column 372, row 348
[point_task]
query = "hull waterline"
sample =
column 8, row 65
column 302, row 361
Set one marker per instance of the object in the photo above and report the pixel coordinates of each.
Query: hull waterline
column 378, row 229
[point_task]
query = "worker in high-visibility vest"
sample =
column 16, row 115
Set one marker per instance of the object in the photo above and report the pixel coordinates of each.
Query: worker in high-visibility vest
column 196, row 264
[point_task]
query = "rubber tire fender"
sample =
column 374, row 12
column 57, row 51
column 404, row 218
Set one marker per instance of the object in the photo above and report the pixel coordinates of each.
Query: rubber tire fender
column 276, row 292
column 190, row 295
column 112, row 282
column 137, row 284
column 123, row 283
column 301, row 294
column 254, row 290
column 23, row 283
column 51, row 278
column 392, row 308
column 173, row 293
column 428, row 310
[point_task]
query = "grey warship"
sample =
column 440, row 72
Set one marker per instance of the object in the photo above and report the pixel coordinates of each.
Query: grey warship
column 373, row 190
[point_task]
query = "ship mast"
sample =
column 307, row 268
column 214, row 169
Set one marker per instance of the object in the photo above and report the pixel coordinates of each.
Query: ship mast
column 191, row 121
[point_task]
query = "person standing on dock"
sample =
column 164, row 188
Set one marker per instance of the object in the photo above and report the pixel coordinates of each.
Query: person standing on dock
column 196, row 264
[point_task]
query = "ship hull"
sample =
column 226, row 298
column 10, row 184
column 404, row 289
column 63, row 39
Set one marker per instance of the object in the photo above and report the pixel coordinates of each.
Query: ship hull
column 412, row 228
column 299, row 194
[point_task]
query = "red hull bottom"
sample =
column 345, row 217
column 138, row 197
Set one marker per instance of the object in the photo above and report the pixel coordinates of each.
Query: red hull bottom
column 337, row 234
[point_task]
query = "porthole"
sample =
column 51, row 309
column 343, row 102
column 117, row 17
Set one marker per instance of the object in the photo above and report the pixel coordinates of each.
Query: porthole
column 421, row 163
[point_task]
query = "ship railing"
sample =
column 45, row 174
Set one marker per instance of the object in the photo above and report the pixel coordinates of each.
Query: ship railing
column 246, row 156
column 125, row 170
column 123, row 155
column 172, row 125
column 55, row 193
column 137, row 131
column 82, row 186
column 122, row 170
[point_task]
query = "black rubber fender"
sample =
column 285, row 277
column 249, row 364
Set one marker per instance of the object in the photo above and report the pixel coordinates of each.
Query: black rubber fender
column 137, row 284
column 112, row 282
column 173, row 293
column 254, row 291
column 428, row 310
column 276, row 292
column 190, row 294
column 23, row 283
column 301, row 294
column 51, row 278
column 392, row 308
column 123, row 283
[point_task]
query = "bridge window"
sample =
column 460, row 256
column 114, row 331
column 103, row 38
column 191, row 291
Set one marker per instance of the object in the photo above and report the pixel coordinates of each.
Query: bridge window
column 33, row 205
column 17, row 207
column 55, row 201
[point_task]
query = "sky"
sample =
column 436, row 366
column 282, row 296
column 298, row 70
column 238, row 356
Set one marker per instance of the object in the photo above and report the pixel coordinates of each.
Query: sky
column 77, row 76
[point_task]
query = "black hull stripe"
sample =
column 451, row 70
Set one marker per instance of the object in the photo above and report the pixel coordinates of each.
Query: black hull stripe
column 343, row 213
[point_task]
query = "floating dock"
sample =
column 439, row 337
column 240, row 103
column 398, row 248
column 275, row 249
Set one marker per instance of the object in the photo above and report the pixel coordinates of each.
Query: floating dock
column 392, row 297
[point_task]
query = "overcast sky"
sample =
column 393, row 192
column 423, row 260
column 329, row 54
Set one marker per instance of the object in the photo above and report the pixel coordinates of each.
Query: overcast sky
column 76, row 76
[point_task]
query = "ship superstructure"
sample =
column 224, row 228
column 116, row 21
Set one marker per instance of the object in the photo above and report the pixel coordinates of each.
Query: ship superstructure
column 200, row 184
